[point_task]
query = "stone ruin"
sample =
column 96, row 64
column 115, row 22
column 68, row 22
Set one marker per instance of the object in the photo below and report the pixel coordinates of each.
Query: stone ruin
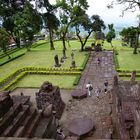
column 50, row 95
column 98, row 47
column 126, row 108
column 5, row 102
column 20, row 119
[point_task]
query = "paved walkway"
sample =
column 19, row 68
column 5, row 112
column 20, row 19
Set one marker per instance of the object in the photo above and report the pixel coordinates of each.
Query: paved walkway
column 99, row 110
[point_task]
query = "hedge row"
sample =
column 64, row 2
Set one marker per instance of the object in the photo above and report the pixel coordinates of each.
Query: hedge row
column 116, row 60
column 77, row 79
column 50, row 69
column 14, row 81
column 128, row 75
column 11, row 59
column 55, row 72
column 85, row 61
column 36, row 69
column 39, row 72
column 9, row 52
column 127, row 71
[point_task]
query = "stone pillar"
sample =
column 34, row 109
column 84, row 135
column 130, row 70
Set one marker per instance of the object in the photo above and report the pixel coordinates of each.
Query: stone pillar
column 133, row 76
column 64, row 54
column 115, row 81
column 56, row 61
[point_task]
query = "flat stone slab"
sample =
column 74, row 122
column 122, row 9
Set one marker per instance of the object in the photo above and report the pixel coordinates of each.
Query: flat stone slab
column 21, row 99
column 79, row 94
column 81, row 126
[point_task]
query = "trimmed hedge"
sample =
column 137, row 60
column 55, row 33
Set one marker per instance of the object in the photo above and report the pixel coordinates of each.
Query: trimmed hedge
column 116, row 60
column 14, row 81
column 9, row 52
column 77, row 79
column 11, row 59
column 33, row 70
column 85, row 61
column 128, row 75
column 124, row 70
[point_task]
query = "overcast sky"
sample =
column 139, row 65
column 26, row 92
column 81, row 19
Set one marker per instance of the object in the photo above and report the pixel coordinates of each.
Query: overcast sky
column 110, row 15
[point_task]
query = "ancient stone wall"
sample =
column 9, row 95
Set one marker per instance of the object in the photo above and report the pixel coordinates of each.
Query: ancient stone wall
column 49, row 94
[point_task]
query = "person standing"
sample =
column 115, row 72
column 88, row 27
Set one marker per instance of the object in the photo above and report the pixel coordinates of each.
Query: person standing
column 90, row 88
column 105, row 86
column 97, row 92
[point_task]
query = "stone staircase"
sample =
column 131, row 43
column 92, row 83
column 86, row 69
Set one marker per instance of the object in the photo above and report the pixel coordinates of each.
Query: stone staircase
column 21, row 121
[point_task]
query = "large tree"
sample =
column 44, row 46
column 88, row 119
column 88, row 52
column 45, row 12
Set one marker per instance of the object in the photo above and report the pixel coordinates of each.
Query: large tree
column 27, row 23
column 8, row 8
column 111, row 34
column 4, row 41
column 49, row 17
column 69, row 11
column 131, row 35
column 130, row 5
column 95, row 23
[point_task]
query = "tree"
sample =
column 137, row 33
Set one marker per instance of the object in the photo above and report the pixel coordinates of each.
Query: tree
column 131, row 35
column 125, row 35
column 69, row 12
column 95, row 23
column 111, row 34
column 8, row 8
column 51, row 23
column 50, row 20
column 27, row 24
column 130, row 5
column 4, row 41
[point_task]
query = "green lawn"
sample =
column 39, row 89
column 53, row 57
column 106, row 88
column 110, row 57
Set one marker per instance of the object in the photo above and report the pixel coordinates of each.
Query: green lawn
column 128, row 78
column 42, row 56
column 37, row 80
column 128, row 60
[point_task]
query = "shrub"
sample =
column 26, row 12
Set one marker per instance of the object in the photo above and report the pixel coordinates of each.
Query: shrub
column 77, row 79
column 13, row 58
column 85, row 61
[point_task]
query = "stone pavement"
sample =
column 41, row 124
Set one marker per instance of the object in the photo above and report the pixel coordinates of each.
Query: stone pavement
column 99, row 110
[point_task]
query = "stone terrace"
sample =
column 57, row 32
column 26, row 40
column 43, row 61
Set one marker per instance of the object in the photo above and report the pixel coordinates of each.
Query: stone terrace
column 99, row 110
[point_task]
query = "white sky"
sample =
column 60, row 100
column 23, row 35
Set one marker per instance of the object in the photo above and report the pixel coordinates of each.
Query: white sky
column 110, row 15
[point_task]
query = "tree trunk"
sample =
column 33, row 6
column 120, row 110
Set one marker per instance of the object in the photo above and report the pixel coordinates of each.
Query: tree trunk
column 18, row 42
column 111, row 44
column 82, row 47
column 63, row 40
column 51, row 40
column 131, row 43
column 136, row 44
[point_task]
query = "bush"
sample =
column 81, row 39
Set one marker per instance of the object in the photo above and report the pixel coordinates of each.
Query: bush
column 18, row 74
column 11, row 59
column 85, row 61
column 76, row 81
column 116, row 61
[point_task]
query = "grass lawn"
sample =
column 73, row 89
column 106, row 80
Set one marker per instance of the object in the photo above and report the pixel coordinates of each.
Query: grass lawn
column 13, row 55
column 128, row 78
column 37, row 80
column 42, row 56
column 128, row 60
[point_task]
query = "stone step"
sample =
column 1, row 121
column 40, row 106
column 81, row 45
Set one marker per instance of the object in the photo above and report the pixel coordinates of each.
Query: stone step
column 16, row 122
column 41, row 130
column 25, row 124
column 29, row 132
column 13, row 138
column 9, row 116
